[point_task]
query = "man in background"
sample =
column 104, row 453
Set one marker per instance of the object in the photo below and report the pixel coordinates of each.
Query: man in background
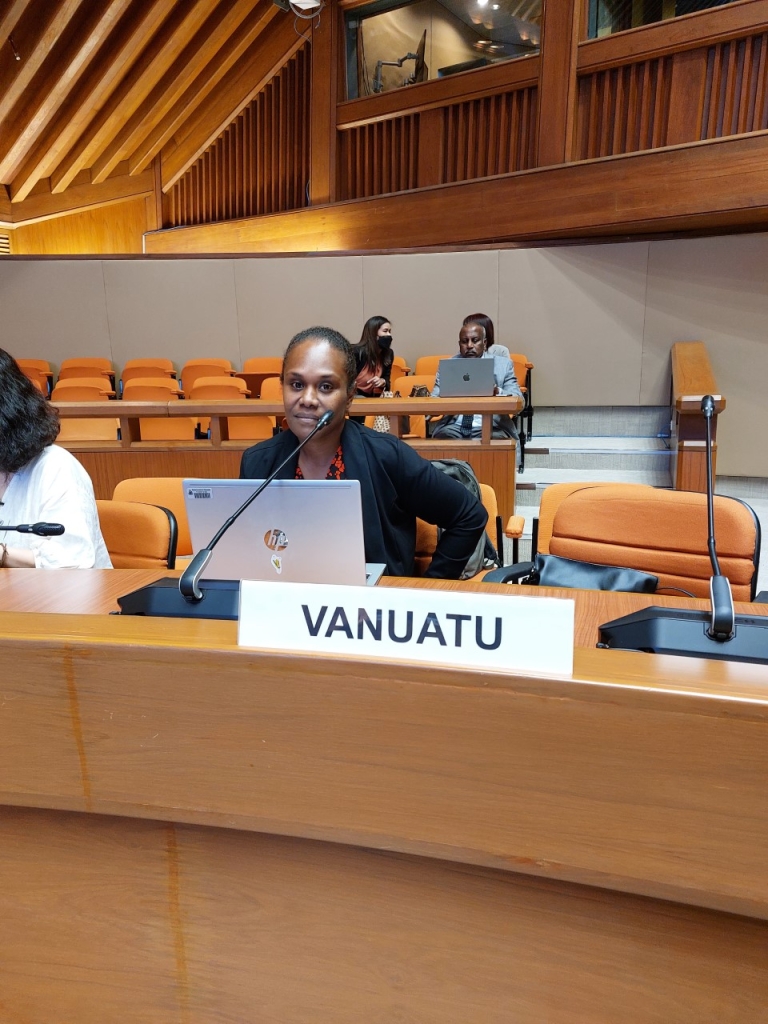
column 473, row 345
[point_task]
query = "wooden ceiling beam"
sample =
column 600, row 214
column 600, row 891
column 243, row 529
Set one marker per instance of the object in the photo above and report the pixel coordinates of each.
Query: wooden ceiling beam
column 261, row 62
column 10, row 19
column 35, row 39
column 54, row 88
column 141, row 79
column 45, row 206
column 202, row 49
column 124, row 47
column 203, row 85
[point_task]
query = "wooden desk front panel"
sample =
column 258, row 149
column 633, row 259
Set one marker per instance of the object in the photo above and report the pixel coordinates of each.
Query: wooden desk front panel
column 142, row 922
column 656, row 787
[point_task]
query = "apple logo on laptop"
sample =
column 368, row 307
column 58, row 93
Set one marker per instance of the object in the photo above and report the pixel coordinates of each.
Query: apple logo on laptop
column 465, row 377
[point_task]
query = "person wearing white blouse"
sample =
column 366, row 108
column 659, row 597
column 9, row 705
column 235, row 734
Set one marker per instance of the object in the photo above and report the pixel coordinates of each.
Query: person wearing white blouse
column 39, row 481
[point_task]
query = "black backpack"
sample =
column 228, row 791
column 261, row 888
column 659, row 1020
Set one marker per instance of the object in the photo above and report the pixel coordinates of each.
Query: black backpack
column 485, row 555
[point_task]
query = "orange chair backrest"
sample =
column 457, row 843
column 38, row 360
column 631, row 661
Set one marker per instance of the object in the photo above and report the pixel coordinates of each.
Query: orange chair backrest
column 83, row 370
column 661, row 532
column 138, row 536
column 264, row 364
column 38, row 378
column 92, row 362
column 190, row 375
column 150, row 390
column 79, row 393
column 522, row 366
column 272, row 389
column 35, row 364
column 398, row 363
column 102, row 383
column 215, row 393
column 231, row 385
column 250, row 428
column 426, row 533
column 169, row 384
column 225, row 364
column 167, row 491
column 143, row 372
column 165, row 365
column 429, row 364
column 91, row 429
column 406, row 384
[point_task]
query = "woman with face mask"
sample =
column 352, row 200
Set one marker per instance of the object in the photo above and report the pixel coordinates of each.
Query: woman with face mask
column 373, row 358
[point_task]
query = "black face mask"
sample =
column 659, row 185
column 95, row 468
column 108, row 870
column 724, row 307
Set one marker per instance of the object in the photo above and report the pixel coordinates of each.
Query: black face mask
column 385, row 340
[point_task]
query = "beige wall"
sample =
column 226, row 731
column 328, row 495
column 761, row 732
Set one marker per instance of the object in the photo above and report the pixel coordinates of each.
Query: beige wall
column 598, row 320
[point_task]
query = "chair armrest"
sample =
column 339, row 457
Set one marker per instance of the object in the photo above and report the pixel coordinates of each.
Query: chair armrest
column 509, row 573
column 515, row 526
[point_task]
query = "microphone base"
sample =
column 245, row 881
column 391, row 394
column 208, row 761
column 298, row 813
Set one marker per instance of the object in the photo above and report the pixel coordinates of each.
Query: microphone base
column 220, row 600
column 684, row 632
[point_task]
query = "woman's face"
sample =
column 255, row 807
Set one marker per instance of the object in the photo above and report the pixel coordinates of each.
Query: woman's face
column 315, row 382
column 384, row 335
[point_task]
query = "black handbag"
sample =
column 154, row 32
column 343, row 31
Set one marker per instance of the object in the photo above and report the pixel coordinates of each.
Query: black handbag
column 554, row 571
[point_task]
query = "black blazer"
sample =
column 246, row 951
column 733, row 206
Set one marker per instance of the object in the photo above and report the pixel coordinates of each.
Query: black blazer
column 396, row 486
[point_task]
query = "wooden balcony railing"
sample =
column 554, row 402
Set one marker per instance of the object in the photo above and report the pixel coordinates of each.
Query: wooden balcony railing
column 692, row 378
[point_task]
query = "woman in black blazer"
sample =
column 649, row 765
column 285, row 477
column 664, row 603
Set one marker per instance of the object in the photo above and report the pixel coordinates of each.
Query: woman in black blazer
column 396, row 484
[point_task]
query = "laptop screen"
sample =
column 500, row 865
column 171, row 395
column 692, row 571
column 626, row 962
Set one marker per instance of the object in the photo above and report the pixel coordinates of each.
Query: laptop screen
column 466, row 378
column 300, row 531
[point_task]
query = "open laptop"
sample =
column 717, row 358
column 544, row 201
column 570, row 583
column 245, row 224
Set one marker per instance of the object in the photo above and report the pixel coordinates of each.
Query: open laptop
column 466, row 378
column 300, row 531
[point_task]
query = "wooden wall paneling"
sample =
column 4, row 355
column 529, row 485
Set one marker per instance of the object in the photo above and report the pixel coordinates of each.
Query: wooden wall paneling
column 206, row 81
column 687, row 84
column 633, row 194
column 117, row 228
column 702, row 28
column 99, row 81
column 326, row 34
column 45, row 206
column 271, row 159
column 179, row 26
column 558, row 91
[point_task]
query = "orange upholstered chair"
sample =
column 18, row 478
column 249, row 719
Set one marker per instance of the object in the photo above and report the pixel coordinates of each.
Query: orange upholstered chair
column 406, row 384
column 426, row 533
column 166, row 491
column 399, row 367
column 138, row 536
column 429, row 364
column 101, row 382
column 657, row 531
column 190, row 374
column 264, row 364
column 159, row 428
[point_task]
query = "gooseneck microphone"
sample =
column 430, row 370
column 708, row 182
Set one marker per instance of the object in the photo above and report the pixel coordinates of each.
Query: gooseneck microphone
column 190, row 578
column 720, row 596
column 717, row 633
column 40, row 529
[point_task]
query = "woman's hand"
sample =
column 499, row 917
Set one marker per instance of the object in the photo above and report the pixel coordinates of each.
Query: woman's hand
column 377, row 382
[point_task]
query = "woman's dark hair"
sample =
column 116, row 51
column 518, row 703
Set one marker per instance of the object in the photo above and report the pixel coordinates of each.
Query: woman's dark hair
column 484, row 321
column 335, row 340
column 28, row 423
column 368, row 351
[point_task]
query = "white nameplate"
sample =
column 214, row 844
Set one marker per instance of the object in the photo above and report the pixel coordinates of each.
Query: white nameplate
column 526, row 634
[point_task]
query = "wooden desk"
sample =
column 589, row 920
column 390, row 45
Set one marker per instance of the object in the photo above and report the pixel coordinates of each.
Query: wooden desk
column 130, row 412
column 193, row 832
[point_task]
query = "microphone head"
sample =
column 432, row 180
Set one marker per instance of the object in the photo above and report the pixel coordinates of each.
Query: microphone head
column 48, row 529
column 324, row 420
column 708, row 406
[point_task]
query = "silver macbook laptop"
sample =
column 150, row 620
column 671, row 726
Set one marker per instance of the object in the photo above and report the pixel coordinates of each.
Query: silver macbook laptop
column 300, row 531
column 466, row 378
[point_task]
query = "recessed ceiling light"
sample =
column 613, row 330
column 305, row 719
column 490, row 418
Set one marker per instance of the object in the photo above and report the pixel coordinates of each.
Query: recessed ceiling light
column 495, row 7
column 482, row 3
